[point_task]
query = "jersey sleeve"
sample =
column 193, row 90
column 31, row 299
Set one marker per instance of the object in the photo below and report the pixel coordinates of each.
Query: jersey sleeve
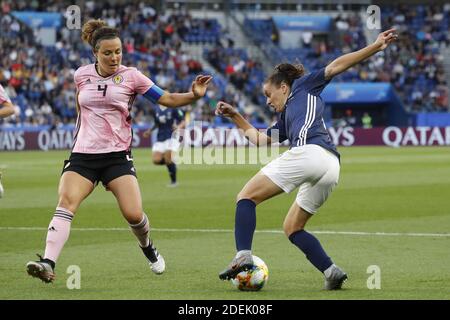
column 143, row 85
column 3, row 96
column 277, row 132
column 77, row 78
column 314, row 82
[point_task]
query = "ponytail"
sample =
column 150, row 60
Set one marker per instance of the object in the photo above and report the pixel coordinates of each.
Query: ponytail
column 286, row 72
column 95, row 30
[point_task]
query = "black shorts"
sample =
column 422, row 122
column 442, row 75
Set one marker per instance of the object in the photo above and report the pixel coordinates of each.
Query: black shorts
column 103, row 167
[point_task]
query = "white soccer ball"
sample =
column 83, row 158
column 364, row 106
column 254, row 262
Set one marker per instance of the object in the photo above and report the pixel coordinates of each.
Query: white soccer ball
column 253, row 279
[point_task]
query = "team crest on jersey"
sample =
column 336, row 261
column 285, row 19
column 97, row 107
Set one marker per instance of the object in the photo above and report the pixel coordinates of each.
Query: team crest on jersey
column 117, row 79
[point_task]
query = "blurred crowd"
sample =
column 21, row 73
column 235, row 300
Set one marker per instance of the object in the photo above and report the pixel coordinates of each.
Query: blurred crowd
column 39, row 79
column 244, row 72
column 414, row 64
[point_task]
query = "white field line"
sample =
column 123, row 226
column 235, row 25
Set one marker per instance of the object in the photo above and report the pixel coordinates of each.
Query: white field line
column 349, row 233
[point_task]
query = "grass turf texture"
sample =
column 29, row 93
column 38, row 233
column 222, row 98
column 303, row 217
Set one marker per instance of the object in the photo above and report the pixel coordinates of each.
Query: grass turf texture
column 381, row 190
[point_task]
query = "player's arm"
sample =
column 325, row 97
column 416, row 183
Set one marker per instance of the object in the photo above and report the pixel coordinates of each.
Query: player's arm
column 250, row 132
column 6, row 109
column 350, row 59
column 198, row 90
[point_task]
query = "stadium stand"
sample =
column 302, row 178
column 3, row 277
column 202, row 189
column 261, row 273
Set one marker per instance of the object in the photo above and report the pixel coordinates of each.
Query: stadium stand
column 39, row 78
column 413, row 65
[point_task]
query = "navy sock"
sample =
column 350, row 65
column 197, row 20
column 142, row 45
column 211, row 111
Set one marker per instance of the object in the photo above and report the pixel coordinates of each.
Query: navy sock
column 312, row 248
column 172, row 172
column 245, row 224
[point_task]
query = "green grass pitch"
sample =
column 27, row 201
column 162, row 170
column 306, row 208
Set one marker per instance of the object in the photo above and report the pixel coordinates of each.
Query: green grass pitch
column 397, row 199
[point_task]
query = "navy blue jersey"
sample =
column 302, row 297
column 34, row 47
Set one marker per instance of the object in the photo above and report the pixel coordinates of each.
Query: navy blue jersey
column 164, row 121
column 301, row 121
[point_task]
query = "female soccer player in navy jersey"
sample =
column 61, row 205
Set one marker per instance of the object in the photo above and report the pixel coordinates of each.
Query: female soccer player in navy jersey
column 311, row 163
column 102, row 144
column 167, row 121
column 6, row 109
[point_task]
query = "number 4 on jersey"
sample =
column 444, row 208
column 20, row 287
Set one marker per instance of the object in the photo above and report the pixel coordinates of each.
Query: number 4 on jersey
column 100, row 88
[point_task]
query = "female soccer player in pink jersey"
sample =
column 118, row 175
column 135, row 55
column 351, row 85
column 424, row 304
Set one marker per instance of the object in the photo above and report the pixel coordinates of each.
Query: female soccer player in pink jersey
column 6, row 109
column 102, row 144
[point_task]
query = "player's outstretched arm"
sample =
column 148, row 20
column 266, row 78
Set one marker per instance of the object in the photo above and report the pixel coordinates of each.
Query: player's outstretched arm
column 6, row 109
column 250, row 132
column 198, row 90
column 350, row 59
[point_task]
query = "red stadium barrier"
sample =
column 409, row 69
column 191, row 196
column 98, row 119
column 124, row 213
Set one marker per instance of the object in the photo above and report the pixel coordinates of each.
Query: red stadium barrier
column 345, row 136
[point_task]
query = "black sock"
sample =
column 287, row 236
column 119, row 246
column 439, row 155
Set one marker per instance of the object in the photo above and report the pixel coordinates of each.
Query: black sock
column 149, row 252
column 172, row 172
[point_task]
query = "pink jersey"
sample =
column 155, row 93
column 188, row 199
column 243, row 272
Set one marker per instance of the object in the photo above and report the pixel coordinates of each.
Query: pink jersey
column 104, row 120
column 3, row 96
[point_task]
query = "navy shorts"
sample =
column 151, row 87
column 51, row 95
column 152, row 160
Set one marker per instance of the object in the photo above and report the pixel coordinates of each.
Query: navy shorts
column 103, row 167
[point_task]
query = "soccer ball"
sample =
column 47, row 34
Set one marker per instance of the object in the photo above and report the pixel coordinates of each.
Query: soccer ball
column 253, row 279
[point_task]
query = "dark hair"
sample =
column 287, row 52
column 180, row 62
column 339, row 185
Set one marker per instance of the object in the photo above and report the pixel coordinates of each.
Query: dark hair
column 286, row 72
column 95, row 30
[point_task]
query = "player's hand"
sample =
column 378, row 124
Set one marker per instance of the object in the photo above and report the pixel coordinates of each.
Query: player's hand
column 200, row 84
column 147, row 133
column 225, row 110
column 386, row 38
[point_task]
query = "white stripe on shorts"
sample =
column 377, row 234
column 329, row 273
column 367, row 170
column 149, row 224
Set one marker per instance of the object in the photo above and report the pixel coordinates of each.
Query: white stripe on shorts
column 309, row 120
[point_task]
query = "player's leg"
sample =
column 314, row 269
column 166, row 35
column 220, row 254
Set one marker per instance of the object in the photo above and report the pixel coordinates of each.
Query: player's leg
column 171, row 167
column 158, row 150
column 293, row 226
column 126, row 190
column 158, row 158
column 310, row 197
column 73, row 189
column 257, row 189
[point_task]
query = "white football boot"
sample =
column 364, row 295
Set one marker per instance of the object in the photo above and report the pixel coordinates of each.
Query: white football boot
column 155, row 260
